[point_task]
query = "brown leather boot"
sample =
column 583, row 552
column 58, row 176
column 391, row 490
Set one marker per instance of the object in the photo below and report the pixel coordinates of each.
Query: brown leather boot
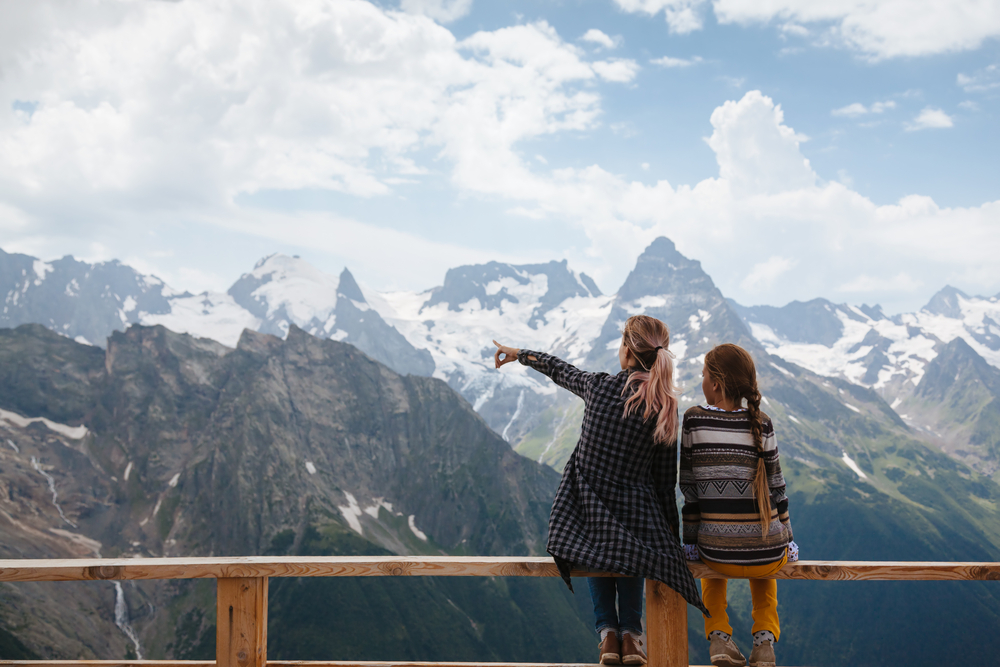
column 610, row 650
column 725, row 653
column 763, row 655
column 632, row 653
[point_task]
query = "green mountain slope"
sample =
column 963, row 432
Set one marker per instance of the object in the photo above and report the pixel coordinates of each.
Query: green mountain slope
column 295, row 446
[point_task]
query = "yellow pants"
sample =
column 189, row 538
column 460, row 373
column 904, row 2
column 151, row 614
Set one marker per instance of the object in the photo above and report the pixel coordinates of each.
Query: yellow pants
column 763, row 591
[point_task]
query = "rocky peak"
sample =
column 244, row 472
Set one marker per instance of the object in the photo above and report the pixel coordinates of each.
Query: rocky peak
column 348, row 287
column 946, row 302
column 957, row 366
column 546, row 285
column 814, row 321
column 661, row 269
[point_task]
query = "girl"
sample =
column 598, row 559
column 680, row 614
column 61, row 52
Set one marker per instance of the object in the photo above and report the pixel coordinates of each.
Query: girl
column 615, row 509
column 735, row 509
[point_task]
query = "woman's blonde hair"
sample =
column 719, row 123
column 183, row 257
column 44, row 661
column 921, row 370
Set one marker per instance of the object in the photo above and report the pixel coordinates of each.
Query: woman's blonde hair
column 647, row 339
column 733, row 368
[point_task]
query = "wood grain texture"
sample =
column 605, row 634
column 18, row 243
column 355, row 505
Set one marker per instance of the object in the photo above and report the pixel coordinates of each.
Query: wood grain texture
column 666, row 626
column 241, row 623
column 817, row 570
column 84, row 569
column 275, row 663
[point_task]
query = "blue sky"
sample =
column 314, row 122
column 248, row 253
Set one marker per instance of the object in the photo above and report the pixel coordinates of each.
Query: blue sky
column 844, row 150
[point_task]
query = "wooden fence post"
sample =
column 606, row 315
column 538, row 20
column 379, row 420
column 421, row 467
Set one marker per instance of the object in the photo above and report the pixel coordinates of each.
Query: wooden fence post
column 241, row 625
column 666, row 626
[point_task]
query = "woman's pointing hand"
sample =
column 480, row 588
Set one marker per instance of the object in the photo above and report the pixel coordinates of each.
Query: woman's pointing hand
column 509, row 354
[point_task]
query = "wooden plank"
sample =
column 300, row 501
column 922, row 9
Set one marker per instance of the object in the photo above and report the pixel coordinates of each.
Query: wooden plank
column 276, row 663
column 107, row 663
column 872, row 571
column 84, row 569
column 666, row 626
column 241, row 623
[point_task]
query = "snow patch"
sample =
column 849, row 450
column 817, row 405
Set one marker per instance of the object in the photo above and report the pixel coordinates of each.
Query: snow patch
column 379, row 504
column 129, row 304
column 10, row 443
column 310, row 468
column 71, row 432
column 849, row 462
column 128, row 471
column 792, row 417
column 411, row 521
column 173, row 480
column 851, row 407
column 41, row 269
column 352, row 513
column 783, row 371
column 207, row 315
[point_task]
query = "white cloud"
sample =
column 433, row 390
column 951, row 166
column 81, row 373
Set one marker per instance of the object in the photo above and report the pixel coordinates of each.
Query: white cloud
column 930, row 118
column 683, row 16
column 878, row 28
column 766, row 273
column 444, row 11
column 851, row 110
column 165, row 112
column 596, row 36
column 857, row 109
column 667, row 61
column 756, row 152
column 863, row 284
column 982, row 81
column 620, row 70
column 968, row 105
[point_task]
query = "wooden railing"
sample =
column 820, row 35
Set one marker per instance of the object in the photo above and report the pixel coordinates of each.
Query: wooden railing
column 241, row 639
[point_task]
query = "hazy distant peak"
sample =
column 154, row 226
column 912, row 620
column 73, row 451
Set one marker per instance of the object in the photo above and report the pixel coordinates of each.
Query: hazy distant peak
column 349, row 287
column 946, row 302
column 661, row 269
column 494, row 283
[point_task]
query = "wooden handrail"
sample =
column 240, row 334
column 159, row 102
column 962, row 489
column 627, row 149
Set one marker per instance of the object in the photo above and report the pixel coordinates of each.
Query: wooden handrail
column 88, row 569
column 242, row 589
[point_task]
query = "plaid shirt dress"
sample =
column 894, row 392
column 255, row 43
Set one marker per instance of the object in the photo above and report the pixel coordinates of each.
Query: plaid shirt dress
column 615, row 510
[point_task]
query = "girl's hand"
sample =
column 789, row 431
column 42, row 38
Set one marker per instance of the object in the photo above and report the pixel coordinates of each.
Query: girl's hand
column 793, row 552
column 509, row 354
column 691, row 552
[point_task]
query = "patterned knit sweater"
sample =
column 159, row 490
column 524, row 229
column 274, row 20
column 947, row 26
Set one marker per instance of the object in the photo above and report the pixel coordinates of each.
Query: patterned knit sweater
column 718, row 465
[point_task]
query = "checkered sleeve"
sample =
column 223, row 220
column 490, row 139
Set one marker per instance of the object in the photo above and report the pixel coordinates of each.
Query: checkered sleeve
column 664, row 471
column 775, row 480
column 691, row 510
column 564, row 374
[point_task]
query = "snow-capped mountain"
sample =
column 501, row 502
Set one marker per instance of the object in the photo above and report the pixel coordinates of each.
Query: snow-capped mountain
column 447, row 331
column 541, row 306
column 937, row 368
column 864, row 346
column 88, row 302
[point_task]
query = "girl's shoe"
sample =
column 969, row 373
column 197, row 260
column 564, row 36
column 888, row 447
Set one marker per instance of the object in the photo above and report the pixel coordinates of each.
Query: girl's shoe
column 632, row 653
column 762, row 656
column 610, row 650
column 725, row 653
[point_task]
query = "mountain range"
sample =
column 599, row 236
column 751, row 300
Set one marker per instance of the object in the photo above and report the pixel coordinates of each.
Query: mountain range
column 888, row 426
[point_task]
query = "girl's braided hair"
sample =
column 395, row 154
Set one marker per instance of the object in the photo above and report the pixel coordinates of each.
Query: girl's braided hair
column 733, row 368
column 647, row 339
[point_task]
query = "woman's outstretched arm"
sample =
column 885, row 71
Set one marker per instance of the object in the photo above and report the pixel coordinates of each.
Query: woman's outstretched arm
column 564, row 374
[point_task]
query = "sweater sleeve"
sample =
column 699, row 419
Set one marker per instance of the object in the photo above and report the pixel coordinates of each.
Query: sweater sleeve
column 691, row 510
column 664, row 472
column 564, row 374
column 775, row 480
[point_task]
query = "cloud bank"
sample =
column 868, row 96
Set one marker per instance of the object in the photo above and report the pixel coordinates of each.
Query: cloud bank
column 117, row 116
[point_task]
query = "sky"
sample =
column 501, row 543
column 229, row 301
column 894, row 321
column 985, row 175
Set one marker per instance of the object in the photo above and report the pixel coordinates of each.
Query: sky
column 844, row 149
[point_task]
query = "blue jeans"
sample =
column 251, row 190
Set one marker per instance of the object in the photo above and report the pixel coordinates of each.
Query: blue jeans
column 628, row 616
